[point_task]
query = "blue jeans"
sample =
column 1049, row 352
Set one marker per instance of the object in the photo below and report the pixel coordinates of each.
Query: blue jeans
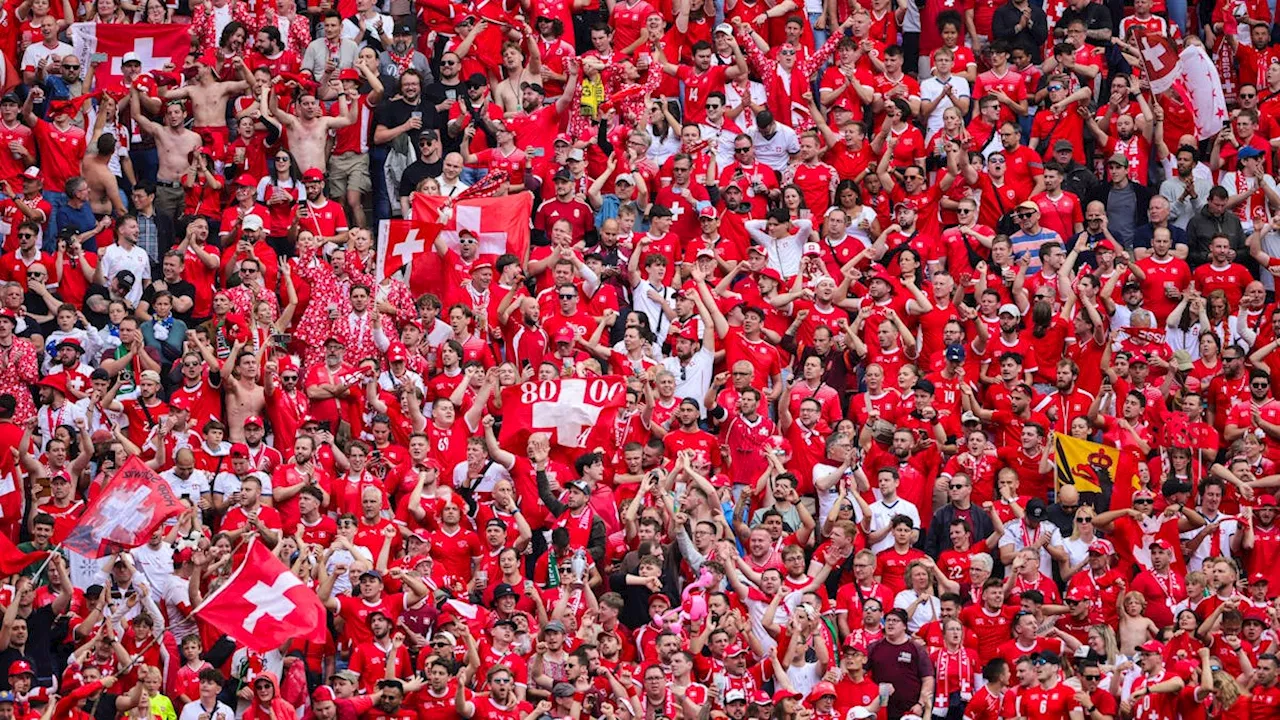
column 378, row 174
column 58, row 200
column 471, row 176
column 819, row 36
column 146, row 163
column 1177, row 10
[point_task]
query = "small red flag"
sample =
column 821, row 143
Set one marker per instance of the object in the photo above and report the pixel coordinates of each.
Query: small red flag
column 13, row 560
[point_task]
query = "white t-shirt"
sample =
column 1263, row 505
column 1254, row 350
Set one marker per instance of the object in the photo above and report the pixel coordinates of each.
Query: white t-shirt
column 193, row 711
column 776, row 151
column 115, row 258
column 882, row 515
column 32, row 56
column 692, row 380
column 932, row 88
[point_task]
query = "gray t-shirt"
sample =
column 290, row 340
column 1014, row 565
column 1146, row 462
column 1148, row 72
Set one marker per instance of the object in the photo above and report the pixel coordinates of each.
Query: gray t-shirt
column 1121, row 205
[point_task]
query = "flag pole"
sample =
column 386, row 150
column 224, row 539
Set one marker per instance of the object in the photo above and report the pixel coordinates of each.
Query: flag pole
column 138, row 656
column 40, row 570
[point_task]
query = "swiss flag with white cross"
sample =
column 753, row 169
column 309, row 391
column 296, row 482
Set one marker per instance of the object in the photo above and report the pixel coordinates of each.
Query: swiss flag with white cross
column 577, row 413
column 263, row 604
column 500, row 224
column 155, row 44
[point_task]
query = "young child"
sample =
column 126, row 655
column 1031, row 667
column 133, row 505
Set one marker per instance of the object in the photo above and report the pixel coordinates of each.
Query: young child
column 1135, row 627
column 186, row 686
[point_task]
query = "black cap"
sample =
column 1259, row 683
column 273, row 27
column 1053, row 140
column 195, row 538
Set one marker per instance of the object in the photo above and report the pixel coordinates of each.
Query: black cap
column 1036, row 509
column 534, row 87
column 923, row 386
column 10, row 98
column 563, row 174
column 504, row 590
column 402, row 28
column 1046, row 657
column 476, row 80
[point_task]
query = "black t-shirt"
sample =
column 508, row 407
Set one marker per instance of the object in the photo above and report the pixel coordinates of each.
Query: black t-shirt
column 394, row 113
column 182, row 288
column 39, row 648
column 416, row 172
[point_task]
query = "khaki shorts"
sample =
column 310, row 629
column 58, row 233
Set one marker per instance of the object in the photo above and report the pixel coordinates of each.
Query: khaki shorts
column 348, row 171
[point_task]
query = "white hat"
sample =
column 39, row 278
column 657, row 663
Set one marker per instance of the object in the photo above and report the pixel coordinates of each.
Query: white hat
column 251, row 222
column 1011, row 309
column 130, row 57
column 725, row 28
column 861, row 713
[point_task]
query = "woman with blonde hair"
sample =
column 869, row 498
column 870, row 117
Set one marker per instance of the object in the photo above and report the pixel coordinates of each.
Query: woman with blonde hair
column 1083, row 533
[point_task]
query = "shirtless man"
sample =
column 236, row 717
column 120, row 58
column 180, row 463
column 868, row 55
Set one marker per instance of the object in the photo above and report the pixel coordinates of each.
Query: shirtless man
column 208, row 96
column 309, row 129
column 245, row 395
column 174, row 144
column 104, row 187
column 507, row 92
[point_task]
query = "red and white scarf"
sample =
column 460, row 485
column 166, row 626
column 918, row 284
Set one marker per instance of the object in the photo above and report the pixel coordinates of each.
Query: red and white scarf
column 942, row 661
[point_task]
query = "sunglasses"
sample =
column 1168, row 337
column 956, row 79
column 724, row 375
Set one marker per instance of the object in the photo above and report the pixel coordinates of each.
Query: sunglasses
column 448, row 63
column 741, row 151
column 1083, row 520
column 27, row 236
column 1247, row 97
column 714, row 107
column 958, row 486
column 568, row 297
column 1024, row 215
column 1145, row 501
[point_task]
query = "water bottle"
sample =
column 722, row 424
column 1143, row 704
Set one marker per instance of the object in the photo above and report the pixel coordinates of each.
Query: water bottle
column 579, row 564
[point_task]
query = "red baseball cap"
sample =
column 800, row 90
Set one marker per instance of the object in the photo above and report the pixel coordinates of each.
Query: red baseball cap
column 324, row 693
column 772, row 274
column 397, row 353
column 1266, row 501
column 1152, row 646
column 761, row 697
column 1160, row 543
column 254, row 420
column 313, row 175
column 246, row 180
column 239, row 450
column 20, row 667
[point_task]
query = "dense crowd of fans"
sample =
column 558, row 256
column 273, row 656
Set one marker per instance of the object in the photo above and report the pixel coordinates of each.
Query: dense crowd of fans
column 858, row 262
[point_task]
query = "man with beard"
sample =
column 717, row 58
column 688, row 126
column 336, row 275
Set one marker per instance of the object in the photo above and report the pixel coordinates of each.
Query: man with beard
column 309, row 130
column 1155, row 693
column 1260, row 412
column 322, row 217
column 401, row 55
column 407, row 113
column 691, row 363
column 1213, row 219
column 537, row 123
column 1185, row 192
column 586, row 529
column 1067, row 401
column 269, row 51
column 1126, row 201
column 499, row 703
column 1050, row 698
column 174, row 145
column 289, row 480
column 371, row 659
column 55, row 410
column 430, row 163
